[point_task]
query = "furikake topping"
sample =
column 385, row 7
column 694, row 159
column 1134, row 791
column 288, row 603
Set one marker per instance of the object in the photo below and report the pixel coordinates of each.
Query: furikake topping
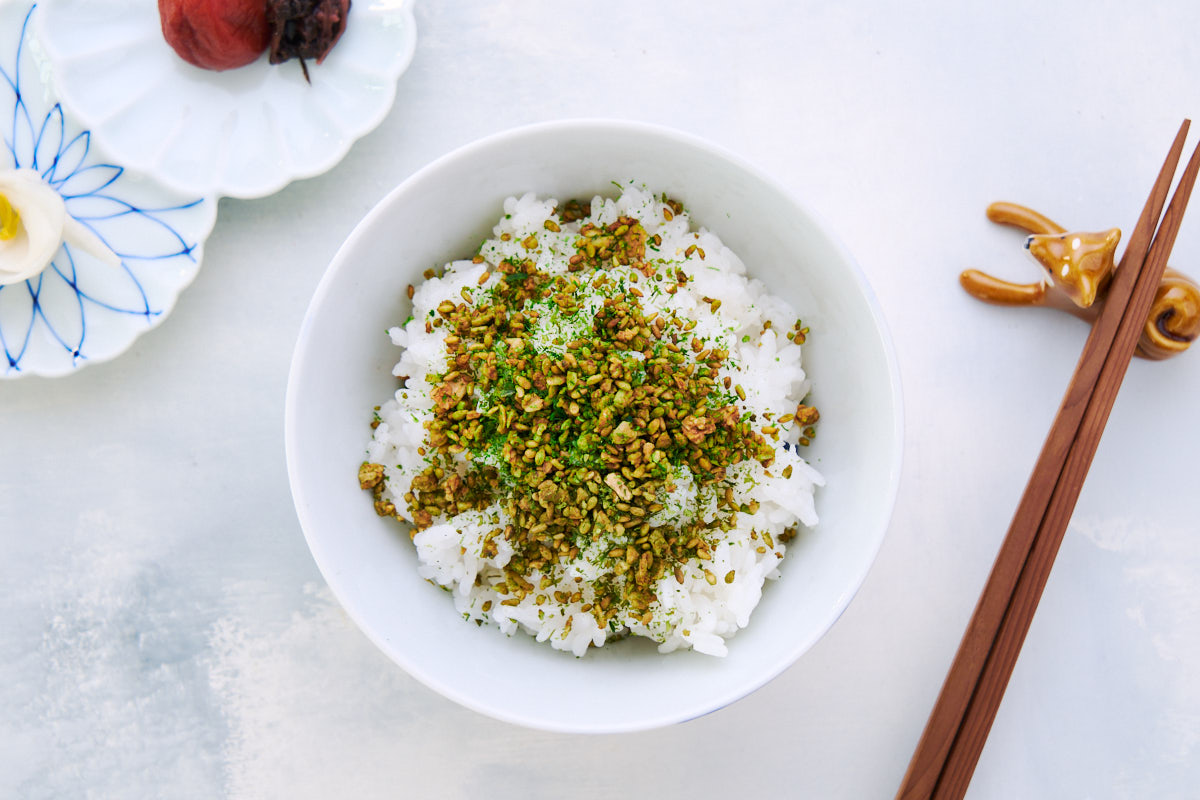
column 578, row 411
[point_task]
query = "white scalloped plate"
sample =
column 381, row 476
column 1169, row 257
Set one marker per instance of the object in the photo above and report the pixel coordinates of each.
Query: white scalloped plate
column 79, row 310
column 244, row 132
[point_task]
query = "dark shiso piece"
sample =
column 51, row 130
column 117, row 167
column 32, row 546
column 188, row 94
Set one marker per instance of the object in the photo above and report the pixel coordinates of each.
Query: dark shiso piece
column 305, row 28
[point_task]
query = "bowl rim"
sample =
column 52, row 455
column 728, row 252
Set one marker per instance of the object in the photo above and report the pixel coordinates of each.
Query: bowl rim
column 562, row 126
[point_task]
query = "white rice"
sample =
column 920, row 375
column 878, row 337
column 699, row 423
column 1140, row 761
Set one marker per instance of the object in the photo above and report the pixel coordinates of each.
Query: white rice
column 696, row 613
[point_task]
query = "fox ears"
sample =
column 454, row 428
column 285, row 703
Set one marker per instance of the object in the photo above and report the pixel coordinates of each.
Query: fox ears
column 1079, row 264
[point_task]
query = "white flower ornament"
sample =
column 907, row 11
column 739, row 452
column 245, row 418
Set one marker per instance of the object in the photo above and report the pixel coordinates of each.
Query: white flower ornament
column 34, row 223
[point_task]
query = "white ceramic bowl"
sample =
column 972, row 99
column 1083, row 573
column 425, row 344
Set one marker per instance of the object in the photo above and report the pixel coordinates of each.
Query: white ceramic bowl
column 342, row 366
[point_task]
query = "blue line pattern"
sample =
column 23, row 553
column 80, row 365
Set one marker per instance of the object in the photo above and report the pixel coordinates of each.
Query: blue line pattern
column 65, row 305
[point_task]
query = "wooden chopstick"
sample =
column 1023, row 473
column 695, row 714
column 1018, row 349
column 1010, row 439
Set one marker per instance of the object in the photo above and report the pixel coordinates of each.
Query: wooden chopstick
column 968, row 744
column 945, row 721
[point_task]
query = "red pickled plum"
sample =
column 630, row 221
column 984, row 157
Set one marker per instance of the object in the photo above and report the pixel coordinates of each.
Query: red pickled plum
column 215, row 34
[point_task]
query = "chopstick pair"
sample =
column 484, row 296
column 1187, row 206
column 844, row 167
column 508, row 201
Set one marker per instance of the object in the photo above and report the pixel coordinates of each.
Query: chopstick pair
column 954, row 735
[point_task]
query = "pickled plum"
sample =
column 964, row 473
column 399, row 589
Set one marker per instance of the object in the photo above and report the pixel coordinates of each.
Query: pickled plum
column 215, row 34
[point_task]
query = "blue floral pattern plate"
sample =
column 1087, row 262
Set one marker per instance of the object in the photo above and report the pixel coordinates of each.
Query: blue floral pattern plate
column 79, row 310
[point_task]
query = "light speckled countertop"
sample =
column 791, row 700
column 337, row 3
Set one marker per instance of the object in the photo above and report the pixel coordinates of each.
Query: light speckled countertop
column 165, row 633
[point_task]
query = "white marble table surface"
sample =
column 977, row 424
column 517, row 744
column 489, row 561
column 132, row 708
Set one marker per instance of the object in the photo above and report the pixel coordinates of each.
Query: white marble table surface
column 165, row 633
